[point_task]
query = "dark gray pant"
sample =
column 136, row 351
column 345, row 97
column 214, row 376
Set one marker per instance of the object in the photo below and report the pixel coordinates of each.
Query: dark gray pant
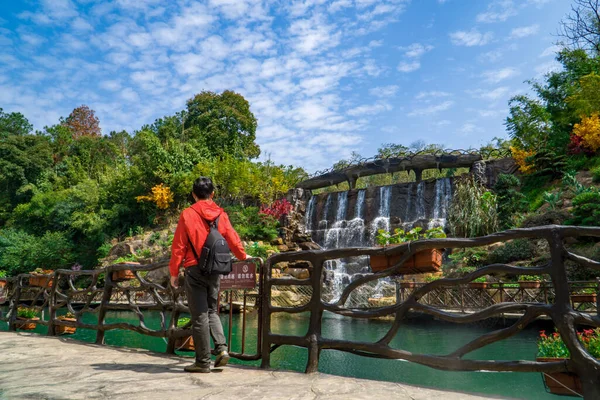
column 202, row 293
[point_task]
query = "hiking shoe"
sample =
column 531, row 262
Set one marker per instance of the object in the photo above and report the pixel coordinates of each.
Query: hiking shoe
column 197, row 368
column 222, row 359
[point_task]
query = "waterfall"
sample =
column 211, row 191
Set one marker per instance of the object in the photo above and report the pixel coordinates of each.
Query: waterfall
column 344, row 223
column 382, row 221
column 360, row 203
column 310, row 209
column 443, row 196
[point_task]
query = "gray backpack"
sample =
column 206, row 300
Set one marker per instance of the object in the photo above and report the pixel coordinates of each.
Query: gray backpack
column 215, row 257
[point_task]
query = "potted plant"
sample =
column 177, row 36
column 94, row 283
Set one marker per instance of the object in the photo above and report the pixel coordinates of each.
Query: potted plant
column 3, row 280
column 26, row 318
column 587, row 295
column 552, row 348
column 62, row 329
column 41, row 277
column 185, row 343
column 478, row 283
column 530, row 281
column 429, row 260
column 124, row 274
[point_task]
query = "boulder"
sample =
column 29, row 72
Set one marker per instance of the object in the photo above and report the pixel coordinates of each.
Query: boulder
column 121, row 250
column 277, row 241
column 283, row 248
column 309, row 246
column 298, row 273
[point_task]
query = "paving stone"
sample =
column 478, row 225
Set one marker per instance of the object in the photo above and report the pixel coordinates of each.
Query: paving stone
column 38, row 367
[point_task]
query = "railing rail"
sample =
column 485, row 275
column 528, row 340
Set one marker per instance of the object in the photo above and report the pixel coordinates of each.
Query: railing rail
column 561, row 310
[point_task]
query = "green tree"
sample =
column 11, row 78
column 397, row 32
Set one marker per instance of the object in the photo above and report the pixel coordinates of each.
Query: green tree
column 226, row 123
column 13, row 124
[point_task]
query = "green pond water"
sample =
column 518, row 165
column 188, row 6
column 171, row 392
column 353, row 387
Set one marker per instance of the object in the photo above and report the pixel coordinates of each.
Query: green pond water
column 417, row 335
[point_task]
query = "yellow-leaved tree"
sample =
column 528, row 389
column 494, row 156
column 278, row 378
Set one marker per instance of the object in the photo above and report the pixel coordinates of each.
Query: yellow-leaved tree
column 520, row 157
column 161, row 196
column 589, row 131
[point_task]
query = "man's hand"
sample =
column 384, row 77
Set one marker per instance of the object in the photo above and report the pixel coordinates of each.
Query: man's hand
column 175, row 281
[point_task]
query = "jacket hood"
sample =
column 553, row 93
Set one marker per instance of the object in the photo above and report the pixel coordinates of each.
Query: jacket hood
column 208, row 210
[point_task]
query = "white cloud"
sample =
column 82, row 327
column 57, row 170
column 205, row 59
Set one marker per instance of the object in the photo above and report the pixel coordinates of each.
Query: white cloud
column 384, row 91
column 431, row 94
column 547, row 67
column 524, row 31
column 429, row 110
column 112, row 85
column 409, row 66
column 492, row 95
column 498, row 11
column 499, row 75
column 369, row 109
column 470, row 38
column 551, row 51
column 416, row 50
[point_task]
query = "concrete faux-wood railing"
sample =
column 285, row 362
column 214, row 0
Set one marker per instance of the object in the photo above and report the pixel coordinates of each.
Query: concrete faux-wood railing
column 99, row 299
column 565, row 318
column 102, row 294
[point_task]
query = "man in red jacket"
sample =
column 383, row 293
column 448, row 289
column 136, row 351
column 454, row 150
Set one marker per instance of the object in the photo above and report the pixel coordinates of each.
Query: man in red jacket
column 202, row 291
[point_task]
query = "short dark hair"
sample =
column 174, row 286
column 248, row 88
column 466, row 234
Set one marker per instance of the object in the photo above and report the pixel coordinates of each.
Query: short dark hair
column 203, row 187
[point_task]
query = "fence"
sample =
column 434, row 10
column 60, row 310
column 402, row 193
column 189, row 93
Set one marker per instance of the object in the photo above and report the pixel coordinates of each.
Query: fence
column 120, row 287
column 560, row 310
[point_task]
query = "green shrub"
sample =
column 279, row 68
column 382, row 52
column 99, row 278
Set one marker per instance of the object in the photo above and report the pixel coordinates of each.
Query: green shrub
column 586, row 209
column 470, row 257
column 510, row 200
column 251, row 225
column 26, row 312
column 182, row 322
column 516, row 250
column 262, row 251
column 552, row 217
column 154, row 237
column 473, row 211
column 2, row 274
column 104, row 250
column 595, row 174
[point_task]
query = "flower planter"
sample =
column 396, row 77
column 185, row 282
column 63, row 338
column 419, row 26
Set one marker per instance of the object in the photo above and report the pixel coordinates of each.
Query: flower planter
column 530, row 284
column 41, row 280
column 125, row 274
column 583, row 298
column 478, row 285
column 558, row 382
column 65, row 330
column 26, row 324
column 185, row 343
column 423, row 261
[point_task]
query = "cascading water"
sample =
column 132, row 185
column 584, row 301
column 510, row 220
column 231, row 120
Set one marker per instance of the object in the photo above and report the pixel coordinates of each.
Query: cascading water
column 338, row 226
column 443, row 196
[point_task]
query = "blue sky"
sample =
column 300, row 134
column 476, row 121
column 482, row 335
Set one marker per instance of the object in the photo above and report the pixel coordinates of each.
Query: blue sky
column 324, row 78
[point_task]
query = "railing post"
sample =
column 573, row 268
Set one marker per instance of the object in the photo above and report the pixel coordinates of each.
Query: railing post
column 108, row 287
column 14, row 305
column 598, row 297
column 52, row 305
column 316, row 318
column 265, row 315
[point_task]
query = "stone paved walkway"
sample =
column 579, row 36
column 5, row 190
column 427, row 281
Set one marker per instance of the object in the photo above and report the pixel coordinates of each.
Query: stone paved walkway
column 38, row 367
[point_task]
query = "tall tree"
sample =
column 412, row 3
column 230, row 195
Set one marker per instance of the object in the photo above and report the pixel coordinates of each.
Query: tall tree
column 582, row 26
column 226, row 122
column 13, row 123
column 83, row 122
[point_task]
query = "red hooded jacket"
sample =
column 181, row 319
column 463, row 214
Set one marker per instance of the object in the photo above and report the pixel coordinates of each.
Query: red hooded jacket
column 192, row 224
